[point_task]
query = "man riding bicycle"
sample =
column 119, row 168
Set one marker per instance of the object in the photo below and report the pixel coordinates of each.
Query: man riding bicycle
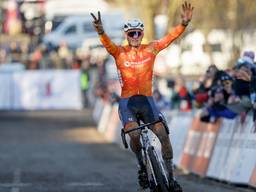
column 135, row 69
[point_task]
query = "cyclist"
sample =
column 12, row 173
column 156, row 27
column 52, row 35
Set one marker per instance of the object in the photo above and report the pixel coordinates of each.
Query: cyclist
column 135, row 69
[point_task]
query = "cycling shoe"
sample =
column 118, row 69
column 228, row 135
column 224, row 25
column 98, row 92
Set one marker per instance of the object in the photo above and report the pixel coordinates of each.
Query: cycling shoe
column 143, row 178
column 175, row 186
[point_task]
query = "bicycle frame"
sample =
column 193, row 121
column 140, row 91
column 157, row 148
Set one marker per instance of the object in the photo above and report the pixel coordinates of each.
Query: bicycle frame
column 142, row 127
column 145, row 146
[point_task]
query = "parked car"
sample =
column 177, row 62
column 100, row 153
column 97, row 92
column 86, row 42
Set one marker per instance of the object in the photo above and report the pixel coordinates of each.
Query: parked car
column 74, row 30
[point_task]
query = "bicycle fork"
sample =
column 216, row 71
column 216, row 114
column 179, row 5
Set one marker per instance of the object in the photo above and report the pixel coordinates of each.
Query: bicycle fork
column 150, row 170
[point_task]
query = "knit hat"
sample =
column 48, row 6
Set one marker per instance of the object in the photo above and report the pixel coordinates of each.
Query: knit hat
column 249, row 56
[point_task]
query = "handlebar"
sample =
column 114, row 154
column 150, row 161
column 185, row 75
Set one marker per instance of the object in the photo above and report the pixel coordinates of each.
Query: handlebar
column 141, row 127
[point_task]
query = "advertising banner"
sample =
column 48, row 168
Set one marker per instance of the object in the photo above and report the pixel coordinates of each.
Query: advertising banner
column 179, row 127
column 47, row 89
column 253, row 178
column 203, row 155
column 5, row 91
column 192, row 144
column 113, row 130
column 219, row 157
column 242, row 154
column 105, row 118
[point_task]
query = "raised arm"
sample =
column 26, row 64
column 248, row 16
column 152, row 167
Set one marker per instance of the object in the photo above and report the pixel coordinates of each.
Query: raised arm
column 186, row 15
column 107, row 43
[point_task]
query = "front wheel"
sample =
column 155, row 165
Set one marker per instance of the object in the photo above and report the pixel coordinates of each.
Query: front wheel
column 158, row 172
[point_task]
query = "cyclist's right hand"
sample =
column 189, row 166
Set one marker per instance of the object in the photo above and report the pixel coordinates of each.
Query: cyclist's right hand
column 97, row 23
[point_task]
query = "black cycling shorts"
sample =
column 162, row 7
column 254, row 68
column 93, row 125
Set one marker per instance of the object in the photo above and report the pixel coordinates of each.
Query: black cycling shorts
column 144, row 106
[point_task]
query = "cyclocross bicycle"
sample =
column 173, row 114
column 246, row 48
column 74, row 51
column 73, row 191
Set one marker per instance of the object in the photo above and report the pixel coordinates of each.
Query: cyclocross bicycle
column 156, row 173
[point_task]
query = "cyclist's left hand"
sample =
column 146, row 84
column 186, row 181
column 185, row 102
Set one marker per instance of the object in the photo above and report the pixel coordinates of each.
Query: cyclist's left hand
column 187, row 12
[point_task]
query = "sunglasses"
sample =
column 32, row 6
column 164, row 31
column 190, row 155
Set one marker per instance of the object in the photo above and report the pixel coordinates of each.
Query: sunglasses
column 227, row 82
column 134, row 34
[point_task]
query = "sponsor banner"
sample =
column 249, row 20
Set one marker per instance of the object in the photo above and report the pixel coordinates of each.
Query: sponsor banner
column 248, row 156
column 47, row 89
column 6, row 88
column 192, row 144
column 179, row 127
column 118, row 138
column 98, row 108
column 253, row 178
column 224, row 150
column 105, row 118
column 241, row 159
column 11, row 67
column 220, row 153
column 113, row 129
column 203, row 155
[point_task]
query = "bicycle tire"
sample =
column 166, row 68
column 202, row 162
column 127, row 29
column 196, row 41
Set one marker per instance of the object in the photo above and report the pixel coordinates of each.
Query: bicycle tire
column 157, row 169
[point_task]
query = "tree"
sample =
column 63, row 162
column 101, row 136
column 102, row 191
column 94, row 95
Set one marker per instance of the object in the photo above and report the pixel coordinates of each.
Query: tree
column 234, row 16
column 146, row 9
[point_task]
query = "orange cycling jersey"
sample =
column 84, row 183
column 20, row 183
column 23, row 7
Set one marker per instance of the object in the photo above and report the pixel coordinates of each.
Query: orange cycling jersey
column 135, row 65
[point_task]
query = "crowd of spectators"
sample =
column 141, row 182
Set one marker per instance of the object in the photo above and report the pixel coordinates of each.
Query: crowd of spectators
column 40, row 56
column 228, row 93
column 220, row 93
column 91, row 62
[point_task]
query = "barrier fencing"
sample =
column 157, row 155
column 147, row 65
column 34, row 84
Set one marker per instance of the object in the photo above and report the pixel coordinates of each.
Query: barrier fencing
column 225, row 150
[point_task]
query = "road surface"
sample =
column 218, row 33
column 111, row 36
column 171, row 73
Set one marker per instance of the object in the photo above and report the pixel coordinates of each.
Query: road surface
column 61, row 151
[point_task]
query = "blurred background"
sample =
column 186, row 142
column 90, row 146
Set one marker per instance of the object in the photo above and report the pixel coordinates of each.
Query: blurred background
column 57, row 34
column 218, row 34
column 55, row 71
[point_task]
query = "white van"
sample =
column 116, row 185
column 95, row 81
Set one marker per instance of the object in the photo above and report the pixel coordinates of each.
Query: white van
column 76, row 29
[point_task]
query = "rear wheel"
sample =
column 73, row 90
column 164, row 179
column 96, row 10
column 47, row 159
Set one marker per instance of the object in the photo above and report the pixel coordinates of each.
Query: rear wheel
column 159, row 175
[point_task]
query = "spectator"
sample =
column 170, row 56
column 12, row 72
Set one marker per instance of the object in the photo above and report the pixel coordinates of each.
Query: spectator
column 253, row 99
column 161, row 102
column 85, row 83
column 56, row 63
column 249, row 56
column 181, row 98
column 36, row 57
column 84, row 79
column 242, row 78
column 24, row 59
column 216, row 108
column 65, row 56
column 14, row 52
column 210, row 79
column 3, row 56
column 77, row 63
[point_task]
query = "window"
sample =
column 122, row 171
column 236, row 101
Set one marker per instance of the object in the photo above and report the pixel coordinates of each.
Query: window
column 71, row 30
column 87, row 27
column 216, row 47
column 187, row 47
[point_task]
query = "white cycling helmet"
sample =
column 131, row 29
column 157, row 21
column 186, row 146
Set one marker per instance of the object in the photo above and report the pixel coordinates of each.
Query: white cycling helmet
column 133, row 24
